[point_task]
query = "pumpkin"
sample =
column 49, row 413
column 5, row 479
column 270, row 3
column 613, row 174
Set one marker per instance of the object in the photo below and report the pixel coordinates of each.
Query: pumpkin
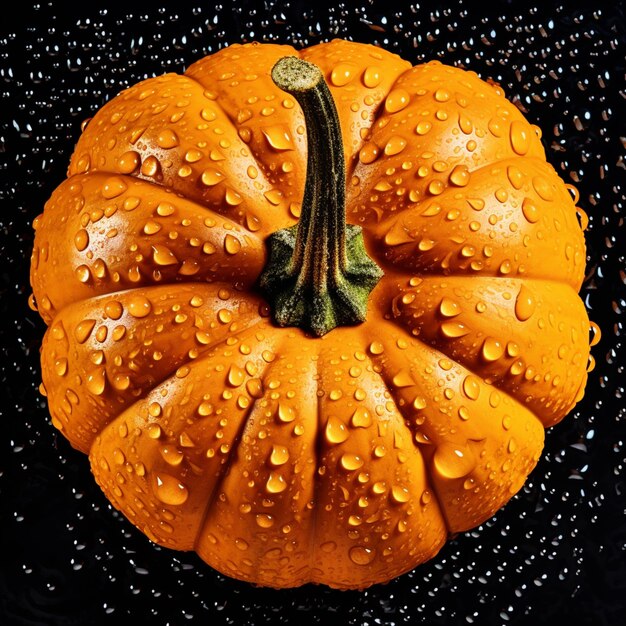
column 310, row 312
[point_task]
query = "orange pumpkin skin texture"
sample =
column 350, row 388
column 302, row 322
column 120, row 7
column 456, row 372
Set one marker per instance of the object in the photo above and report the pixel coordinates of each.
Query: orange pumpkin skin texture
column 283, row 458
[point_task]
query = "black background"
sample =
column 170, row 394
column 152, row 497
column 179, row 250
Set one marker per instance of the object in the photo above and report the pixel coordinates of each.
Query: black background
column 556, row 551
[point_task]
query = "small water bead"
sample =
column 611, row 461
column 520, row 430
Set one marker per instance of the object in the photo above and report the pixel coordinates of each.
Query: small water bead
column 520, row 135
column 372, row 76
column 278, row 138
column 399, row 495
column 278, row 456
column 275, row 483
column 170, row 490
column 525, row 304
column 362, row 555
column 336, row 431
column 139, row 306
column 163, row 256
column 460, row 176
column 83, row 330
column 171, row 455
column 492, row 349
column 369, row 153
column 167, row 139
column 452, row 461
column 128, row 162
column 351, row 462
column 113, row 187
column 342, row 74
column 264, row 521
column 397, row 100
column 471, row 387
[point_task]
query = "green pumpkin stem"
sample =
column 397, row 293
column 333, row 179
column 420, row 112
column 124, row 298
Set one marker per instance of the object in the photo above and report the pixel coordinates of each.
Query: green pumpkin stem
column 318, row 275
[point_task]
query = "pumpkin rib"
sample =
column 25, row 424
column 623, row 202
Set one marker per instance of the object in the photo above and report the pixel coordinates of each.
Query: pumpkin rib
column 524, row 423
column 92, row 148
column 56, row 354
column 266, row 160
column 410, row 239
column 506, row 347
column 233, row 252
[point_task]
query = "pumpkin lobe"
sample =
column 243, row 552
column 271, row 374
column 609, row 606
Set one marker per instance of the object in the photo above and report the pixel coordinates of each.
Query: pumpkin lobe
column 319, row 275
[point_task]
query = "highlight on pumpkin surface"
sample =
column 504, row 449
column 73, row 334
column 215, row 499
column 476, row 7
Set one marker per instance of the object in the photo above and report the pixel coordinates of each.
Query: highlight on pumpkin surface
column 297, row 453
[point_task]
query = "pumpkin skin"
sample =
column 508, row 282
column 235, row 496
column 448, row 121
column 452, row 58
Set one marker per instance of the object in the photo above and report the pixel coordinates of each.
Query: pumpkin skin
column 279, row 457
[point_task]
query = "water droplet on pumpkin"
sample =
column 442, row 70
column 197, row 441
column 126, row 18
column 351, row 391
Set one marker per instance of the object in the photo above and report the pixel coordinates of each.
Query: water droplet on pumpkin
column 162, row 255
column 361, row 418
column 519, row 134
column 342, row 74
column 139, row 306
column 460, row 176
column 336, row 431
column 525, row 304
column 351, row 462
column 275, row 483
column 279, row 455
column 362, row 555
column 452, row 461
column 492, row 349
column 395, row 145
column 372, row 76
column 83, row 330
column 171, row 455
column 397, row 100
column 81, row 239
column 167, row 139
column 278, row 137
column 170, row 490
column 471, row 387
column 264, row 521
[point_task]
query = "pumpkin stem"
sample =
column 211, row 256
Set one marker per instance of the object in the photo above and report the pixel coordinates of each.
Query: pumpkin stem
column 319, row 275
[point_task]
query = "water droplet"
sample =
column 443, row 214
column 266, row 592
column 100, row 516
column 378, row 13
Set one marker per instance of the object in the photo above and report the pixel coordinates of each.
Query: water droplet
column 171, row 455
column 471, row 387
column 449, row 308
column 492, row 349
column 275, row 483
column 351, row 462
column 397, row 100
column 264, row 521
column 278, row 137
column 361, row 555
column 399, row 494
column 453, row 461
column 369, row 153
column 361, row 418
column 336, row 431
column 524, row 304
column 81, row 239
column 167, row 139
column 342, row 74
column 460, row 176
column 162, row 255
column 520, row 134
column 139, row 306
column 128, row 162
column 372, row 76
column 395, row 145
column 170, row 490
column 285, row 413
column 279, row 455
column 83, row 330
column 232, row 245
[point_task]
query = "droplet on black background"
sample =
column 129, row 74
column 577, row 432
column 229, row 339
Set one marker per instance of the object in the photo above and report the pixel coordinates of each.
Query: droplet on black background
column 556, row 551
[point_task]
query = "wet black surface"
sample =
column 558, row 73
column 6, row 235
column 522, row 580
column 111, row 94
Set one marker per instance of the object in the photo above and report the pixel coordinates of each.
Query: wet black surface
column 556, row 551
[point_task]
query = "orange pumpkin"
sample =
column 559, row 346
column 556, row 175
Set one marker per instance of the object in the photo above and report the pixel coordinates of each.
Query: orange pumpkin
column 297, row 399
